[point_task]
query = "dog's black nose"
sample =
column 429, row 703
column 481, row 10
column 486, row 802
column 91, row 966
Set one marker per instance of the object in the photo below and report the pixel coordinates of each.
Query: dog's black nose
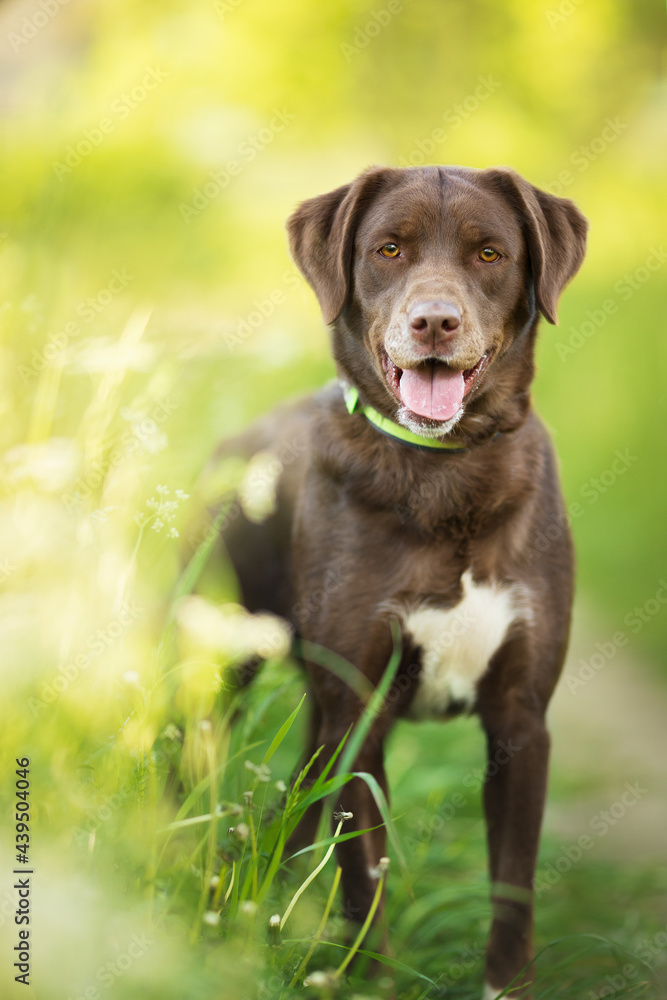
column 433, row 319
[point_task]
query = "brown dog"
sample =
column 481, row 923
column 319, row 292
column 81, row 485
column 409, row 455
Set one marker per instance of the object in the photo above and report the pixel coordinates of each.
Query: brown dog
column 423, row 488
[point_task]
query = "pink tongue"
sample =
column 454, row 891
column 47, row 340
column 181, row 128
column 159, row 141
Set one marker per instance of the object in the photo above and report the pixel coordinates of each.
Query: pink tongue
column 432, row 391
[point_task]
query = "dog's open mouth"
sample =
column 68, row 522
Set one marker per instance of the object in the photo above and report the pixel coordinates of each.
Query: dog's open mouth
column 433, row 389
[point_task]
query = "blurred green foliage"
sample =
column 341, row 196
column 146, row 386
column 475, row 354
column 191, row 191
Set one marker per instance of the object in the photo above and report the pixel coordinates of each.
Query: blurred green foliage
column 353, row 88
column 148, row 307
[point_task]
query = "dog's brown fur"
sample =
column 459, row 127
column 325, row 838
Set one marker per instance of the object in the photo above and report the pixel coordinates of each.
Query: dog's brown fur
column 393, row 525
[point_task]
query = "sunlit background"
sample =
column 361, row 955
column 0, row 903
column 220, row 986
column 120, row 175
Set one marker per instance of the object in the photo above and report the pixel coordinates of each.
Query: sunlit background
column 149, row 307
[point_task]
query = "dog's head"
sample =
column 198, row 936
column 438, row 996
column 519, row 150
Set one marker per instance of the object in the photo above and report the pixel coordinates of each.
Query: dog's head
column 432, row 278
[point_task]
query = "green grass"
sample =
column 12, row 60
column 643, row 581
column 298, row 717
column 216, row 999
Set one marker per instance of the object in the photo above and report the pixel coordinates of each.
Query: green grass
column 193, row 856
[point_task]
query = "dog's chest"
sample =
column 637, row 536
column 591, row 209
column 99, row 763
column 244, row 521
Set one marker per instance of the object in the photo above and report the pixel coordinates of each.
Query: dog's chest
column 457, row 643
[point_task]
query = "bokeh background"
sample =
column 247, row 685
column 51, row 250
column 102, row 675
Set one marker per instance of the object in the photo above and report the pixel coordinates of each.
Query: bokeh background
column 151, row 153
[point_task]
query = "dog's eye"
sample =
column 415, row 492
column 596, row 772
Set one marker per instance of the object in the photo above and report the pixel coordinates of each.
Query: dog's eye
column 389, row 250
column 488, row 254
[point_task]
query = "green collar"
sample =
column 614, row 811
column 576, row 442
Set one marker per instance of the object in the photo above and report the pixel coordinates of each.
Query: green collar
column 392, row 429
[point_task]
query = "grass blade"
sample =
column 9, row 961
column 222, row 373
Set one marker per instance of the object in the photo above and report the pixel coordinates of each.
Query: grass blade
column 374, row 706
column 282, row 732
column 330, row 840
column 320, row 930
column 383, row 806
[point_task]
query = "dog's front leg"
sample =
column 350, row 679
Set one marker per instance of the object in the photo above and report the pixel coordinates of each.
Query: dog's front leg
column 514, row 794
column 341, row 709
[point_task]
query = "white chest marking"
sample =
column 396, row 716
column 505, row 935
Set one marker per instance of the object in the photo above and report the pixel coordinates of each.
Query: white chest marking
column 458, row 643
column 490, row 992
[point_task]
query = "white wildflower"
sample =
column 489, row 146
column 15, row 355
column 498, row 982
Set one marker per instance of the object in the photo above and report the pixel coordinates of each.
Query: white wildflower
column 164, row 510
column 101, row 515
column 261, row 771
column 232, row 630
column 258, row 488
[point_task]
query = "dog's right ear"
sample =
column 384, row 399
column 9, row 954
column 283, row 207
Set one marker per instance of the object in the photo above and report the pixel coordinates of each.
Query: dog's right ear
column 555, row 232
column 321, row 234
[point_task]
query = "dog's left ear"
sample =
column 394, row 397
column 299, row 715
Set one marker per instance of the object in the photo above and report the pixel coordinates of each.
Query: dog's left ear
column 555, row 232
column 321, row 234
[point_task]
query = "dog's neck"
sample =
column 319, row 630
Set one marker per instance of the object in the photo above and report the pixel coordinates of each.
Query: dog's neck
column 389, row 427
column 438, row 494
